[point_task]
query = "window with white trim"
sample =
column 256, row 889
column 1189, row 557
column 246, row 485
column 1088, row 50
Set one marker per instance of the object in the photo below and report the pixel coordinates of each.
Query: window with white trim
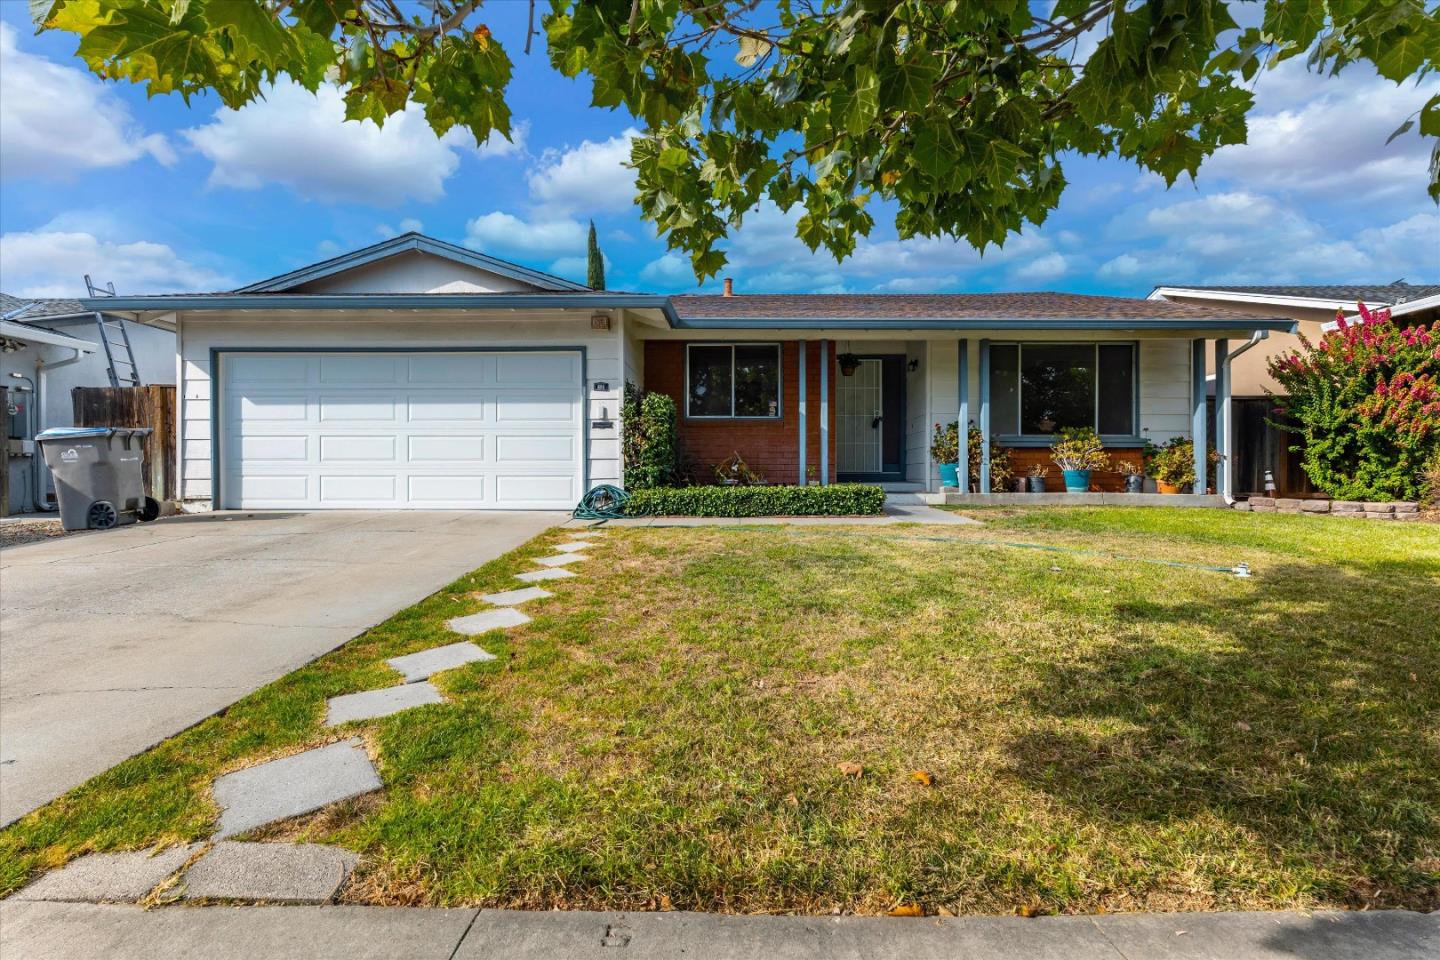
column 1037, row 389
column 738, row 381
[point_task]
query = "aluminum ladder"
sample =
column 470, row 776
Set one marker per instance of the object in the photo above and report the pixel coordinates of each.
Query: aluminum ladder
column 115, row 339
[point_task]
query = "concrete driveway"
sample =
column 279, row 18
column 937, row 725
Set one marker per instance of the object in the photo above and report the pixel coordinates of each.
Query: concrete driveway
column 111, row 642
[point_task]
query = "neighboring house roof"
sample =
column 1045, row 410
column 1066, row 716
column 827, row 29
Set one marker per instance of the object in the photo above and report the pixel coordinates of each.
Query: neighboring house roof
column 26, row 309
column 849, row 308
column 403, row 243
column 1336, row 295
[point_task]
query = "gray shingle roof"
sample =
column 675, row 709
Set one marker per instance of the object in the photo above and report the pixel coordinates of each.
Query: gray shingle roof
column 42, row 308
column 842, row 307
column 1388, row 293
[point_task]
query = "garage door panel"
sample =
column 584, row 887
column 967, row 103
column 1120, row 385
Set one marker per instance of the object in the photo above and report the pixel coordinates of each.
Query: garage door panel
column 339, row 448
column 366, row 407
column 554, row 448
column 458, row 369
column 263, row 447
column 537, row 369
column 458, row 489
column 447, row 449
column 496, row 430
column 468, row 405
column 359, row 369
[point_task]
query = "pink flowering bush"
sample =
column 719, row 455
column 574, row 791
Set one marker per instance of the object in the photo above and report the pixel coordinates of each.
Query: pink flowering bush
column 1366, row 398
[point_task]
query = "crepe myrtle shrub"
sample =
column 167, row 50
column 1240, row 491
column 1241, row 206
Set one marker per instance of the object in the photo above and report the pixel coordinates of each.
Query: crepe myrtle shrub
column 649, row 441
column 1366, row 401
column 835, row 500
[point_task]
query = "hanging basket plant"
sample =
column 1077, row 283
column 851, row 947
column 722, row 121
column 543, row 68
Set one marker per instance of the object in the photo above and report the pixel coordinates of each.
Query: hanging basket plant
column 849, row 363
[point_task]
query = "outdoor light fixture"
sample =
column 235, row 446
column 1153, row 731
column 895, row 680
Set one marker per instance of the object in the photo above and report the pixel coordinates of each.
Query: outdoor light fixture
column 913, row 365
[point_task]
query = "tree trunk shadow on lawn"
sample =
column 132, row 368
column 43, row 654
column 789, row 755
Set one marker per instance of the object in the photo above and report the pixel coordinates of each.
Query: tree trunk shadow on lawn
column 1309, row 725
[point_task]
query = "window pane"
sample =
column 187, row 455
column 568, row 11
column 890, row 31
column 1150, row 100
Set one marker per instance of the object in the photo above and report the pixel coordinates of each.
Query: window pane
column 709, row 382
column 1057, row 386
column 1117, row 389
column 757, row 381
column 1005, row 389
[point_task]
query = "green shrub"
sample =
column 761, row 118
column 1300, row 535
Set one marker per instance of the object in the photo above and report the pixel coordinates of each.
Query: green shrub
column 836, row 500
column 649, row 442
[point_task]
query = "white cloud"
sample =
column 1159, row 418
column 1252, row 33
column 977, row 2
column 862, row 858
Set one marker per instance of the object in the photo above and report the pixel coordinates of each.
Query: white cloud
column 587, row 179
column 407, row 225
column 670, row 270
column 303, row 141
column 1325, row 137
column 52, row 263
column 1040, row 270
column 504, row 232
column 57, row 121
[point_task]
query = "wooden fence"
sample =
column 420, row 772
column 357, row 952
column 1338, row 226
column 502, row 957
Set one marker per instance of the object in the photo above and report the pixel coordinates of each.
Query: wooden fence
column 150, row 406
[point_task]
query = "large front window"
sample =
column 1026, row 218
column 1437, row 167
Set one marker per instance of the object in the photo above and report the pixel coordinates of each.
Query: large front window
column 733, row 380
column 1037, row 389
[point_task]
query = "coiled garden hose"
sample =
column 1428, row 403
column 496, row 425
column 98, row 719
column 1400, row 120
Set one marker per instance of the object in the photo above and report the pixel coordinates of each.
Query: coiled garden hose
column 605, row 502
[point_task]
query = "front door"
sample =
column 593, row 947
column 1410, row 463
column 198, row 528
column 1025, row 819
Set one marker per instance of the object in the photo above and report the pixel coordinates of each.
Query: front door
column 870, row 420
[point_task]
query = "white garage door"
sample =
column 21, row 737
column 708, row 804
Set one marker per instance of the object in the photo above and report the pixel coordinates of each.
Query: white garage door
column 499, row 431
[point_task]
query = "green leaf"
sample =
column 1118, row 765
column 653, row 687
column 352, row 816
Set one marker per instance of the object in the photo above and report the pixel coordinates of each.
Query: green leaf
column 1403, row 128
column 864, row 102
column 750, row 50
column 1430, row 117
column 1401, row 57
column 256, row 34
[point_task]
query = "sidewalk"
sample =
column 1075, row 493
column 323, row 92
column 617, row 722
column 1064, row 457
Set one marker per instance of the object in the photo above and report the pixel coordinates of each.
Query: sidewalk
column 74, row 931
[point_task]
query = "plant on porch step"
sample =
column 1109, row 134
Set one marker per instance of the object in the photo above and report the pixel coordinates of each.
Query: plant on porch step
column 733, row 471
column 945, row 451
column 1001, row 473
column 1133, row 474
column 1077, row 451
column 1173, row 465
column 1035, row 478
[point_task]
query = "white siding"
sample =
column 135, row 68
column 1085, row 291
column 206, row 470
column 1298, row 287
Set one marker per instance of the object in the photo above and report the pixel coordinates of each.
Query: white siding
column 917, row 413
column 415, row 272
column 405, row 331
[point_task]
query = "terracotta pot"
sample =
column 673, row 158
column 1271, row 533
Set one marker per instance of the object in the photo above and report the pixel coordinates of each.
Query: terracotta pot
column 1164, row 487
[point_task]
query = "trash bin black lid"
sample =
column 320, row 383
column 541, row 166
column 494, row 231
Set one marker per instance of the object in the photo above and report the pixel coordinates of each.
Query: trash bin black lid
column 70, row 433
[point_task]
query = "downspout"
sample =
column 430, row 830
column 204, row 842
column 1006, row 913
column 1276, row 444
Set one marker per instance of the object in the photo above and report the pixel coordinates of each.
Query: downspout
column 42, row 368
column 1223, row 381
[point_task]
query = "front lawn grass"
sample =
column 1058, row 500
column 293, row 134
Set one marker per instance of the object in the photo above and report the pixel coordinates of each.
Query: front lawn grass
column 1103, row 731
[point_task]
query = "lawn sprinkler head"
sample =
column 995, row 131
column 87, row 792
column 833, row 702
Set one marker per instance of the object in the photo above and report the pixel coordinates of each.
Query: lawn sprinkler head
column 1243, row 570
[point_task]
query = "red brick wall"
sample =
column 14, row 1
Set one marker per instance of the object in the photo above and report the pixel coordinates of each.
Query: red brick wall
column 770, row 447
column 1108, row 481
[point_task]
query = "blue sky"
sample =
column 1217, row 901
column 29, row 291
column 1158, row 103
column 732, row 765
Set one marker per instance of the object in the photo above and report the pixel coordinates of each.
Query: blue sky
column 157, row 196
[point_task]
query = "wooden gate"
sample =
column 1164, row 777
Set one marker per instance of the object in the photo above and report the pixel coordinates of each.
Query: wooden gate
column 150, row 406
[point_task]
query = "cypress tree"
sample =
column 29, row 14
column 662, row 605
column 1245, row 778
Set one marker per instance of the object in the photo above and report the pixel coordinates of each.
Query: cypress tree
column 595, row 274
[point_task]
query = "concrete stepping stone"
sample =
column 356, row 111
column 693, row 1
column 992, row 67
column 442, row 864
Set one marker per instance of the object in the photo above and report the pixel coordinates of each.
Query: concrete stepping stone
column 109, row 877
column 589, row 536
column 278, row 872
column 420, row 666
column 509, row 598
column 294, row 785
column 560, row 559
column 487, row 620
column 551, row 573
column 573, row 546
column 380, row 703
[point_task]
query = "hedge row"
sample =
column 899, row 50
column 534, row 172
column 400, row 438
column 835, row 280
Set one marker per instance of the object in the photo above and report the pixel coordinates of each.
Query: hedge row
column 837, row 500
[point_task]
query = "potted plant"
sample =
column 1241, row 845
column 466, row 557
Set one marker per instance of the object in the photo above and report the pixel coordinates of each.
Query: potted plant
column 1173, row 466
column 1035, row 479
column 1134, row 477
column 1077, row 451
column 848, row 362
column 945, row 451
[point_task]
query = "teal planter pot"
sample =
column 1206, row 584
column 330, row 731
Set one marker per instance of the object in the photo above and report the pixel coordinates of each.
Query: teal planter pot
column 1076, row 481
column 950, row 474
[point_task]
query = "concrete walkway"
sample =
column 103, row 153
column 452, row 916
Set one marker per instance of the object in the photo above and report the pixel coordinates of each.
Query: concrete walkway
column 114, row 641
column 73, row 931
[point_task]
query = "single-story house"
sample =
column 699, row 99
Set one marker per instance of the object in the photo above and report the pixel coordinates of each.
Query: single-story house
column 1259, row 447
column 47, row 348
column 418, row 374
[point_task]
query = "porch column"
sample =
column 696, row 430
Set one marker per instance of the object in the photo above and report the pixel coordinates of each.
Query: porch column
column 825, row 413
column 1197, row 409
column 1222, row 414
column 984, row 417
column 963, row 469
column 800, row 383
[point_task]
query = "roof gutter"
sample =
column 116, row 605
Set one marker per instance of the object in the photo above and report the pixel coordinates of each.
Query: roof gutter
column 1245, row 325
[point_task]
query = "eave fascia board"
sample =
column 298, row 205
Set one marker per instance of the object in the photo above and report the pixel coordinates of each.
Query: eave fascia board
column 1054, row 324
column 396, row 301
column 26, row 333
column 1267, row 299
column 404, row 244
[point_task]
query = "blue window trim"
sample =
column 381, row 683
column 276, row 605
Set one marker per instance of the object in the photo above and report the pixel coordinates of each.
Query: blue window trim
column 217, row 394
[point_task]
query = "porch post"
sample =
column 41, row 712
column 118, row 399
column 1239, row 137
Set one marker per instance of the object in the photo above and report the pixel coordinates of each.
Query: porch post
column 984, row 417
column 963, row 469
column 800, row 384
column 1197, row 409
column 1222, row 413
column 825, row 413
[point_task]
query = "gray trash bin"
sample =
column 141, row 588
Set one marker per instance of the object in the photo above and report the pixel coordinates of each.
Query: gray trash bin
column 97, row 475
